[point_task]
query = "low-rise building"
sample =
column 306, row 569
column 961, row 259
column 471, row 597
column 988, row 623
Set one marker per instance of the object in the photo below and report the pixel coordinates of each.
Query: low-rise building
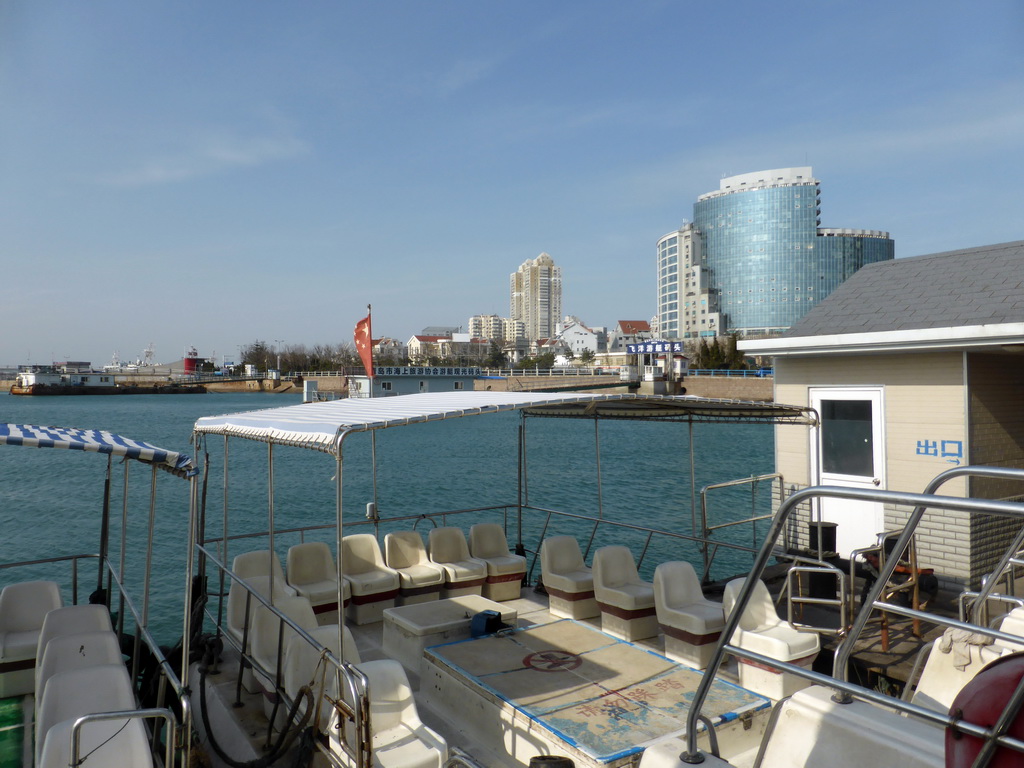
column 409, row 379
column 914, row 366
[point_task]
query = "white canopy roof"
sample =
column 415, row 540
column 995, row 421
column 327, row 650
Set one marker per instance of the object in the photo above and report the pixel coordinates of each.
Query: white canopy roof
column 319, row 426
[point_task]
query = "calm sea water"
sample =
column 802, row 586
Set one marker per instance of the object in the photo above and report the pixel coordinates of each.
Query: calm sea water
column 50, row 500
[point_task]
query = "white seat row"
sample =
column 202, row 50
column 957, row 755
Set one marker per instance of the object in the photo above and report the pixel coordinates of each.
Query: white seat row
column 80, row 671
column 23, row 607
column 633, row 609
column 407, row 572
column 399, row 738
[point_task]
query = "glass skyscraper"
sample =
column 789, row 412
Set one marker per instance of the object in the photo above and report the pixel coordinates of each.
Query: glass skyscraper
column 760, row 260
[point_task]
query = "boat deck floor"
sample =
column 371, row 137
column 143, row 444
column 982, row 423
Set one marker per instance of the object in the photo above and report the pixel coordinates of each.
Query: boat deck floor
column 597, row 697
column 601, row 696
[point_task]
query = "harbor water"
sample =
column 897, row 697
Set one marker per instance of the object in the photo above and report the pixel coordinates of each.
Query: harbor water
column 50, row 501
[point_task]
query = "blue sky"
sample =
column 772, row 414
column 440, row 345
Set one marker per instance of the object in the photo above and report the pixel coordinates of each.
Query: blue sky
column 212, row 173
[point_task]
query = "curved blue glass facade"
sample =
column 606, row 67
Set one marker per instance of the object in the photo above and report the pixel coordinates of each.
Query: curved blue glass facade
column 767, row 260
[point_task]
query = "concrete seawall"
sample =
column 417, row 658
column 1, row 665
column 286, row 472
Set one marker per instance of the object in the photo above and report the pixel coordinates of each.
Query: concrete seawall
column 730, row 387
column 726, row 387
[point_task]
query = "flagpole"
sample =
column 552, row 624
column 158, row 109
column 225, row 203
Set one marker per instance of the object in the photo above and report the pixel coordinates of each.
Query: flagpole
column 373, row 432
column 369, row 333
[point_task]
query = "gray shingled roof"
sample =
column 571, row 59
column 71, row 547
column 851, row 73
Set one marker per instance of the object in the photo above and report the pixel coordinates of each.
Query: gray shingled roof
column 975, row 286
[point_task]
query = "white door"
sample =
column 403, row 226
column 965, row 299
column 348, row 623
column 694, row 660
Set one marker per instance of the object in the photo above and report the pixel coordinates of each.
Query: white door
column 848, row 449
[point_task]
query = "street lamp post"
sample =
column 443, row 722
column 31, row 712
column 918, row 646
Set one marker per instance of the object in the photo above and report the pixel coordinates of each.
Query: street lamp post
column 277, row 343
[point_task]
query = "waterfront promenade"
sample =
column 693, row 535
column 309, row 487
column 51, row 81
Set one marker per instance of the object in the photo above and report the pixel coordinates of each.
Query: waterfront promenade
column 730, row 387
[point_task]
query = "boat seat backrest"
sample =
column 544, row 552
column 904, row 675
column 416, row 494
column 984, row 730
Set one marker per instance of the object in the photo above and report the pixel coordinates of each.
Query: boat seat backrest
column 813, row 731
column 1013, row 623
column 488, row 540
column 67, row 652
column 676, row 584
column 614, row 567
column 448, row 545
column 391, row 700
column 71, row 694
column 301, row 660
column 262, row 562
column 561, row 554
column 309, row 563
column 238, row 595
column 73, row 620
column 403, row 549
column 23, row 606
column 267, row 629
column 760, row 612
column 361, row 554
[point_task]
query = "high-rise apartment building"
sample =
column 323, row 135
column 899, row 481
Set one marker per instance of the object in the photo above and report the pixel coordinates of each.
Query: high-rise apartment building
column 486, row 327
column 496, row 328
column 535, row 297
column 755, row 259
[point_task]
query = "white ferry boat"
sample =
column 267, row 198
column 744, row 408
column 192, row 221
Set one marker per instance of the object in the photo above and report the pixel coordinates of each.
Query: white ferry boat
column 427, row 648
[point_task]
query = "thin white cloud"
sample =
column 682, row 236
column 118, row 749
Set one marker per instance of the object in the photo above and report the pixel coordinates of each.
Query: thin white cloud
column 956, row 127
column 209, row 156
column 465, row 73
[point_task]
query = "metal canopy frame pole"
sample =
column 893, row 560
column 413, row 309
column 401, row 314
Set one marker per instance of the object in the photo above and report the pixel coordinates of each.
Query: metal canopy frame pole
column 702, row 537
column 189, row 571
column 270, row 516
column 597, row 451
column 224, row 536
column 339, row 530
column 121, row 566
column 520, row 477
column 147, row 574
column 104, row 526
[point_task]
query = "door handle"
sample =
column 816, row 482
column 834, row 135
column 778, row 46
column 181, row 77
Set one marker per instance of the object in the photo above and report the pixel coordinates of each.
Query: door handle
column 876, row 482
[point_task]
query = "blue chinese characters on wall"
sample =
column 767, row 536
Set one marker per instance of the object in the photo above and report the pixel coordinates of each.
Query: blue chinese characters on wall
column 950, row 450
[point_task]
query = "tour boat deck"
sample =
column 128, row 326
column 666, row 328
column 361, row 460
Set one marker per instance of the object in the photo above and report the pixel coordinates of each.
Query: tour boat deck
column 600, row 696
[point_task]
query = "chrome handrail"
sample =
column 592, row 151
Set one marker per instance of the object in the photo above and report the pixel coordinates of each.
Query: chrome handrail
column 920, row 502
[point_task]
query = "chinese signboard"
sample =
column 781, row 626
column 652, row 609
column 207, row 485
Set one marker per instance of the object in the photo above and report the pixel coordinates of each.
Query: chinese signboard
column 382, row 370
column 646, row 347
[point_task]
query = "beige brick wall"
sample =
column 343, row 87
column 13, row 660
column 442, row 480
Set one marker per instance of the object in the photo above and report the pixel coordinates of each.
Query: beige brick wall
column 923, row 406
column 997, row 439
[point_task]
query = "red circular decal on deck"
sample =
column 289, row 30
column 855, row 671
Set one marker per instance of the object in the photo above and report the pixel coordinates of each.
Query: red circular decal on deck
column 552, row 661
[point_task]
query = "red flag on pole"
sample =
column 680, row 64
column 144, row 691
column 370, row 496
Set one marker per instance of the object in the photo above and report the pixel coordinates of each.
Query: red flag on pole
column 364, row 343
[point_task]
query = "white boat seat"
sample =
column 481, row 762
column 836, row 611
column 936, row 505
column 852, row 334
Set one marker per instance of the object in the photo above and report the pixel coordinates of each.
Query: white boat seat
column 261, row 562
column 374, row 585
column 68, row 652
column 813, row 731
column 1013, row 624
column 947, row 671
column 73, row 620
column 463, row 574
column 23, row 609
column 626, row 601
column 77, row 692
column 266, row 632
column 691, row 623
column 238, row 595
column 301, row 660
column 313, row 574
column 567, row 579
column 107, row 742
column 419, row 579
column 399, row 738
column 505, row 571
column 762, row 631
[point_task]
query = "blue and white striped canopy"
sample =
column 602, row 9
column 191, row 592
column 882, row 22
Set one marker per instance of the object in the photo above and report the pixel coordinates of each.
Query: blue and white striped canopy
column 95, row 441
